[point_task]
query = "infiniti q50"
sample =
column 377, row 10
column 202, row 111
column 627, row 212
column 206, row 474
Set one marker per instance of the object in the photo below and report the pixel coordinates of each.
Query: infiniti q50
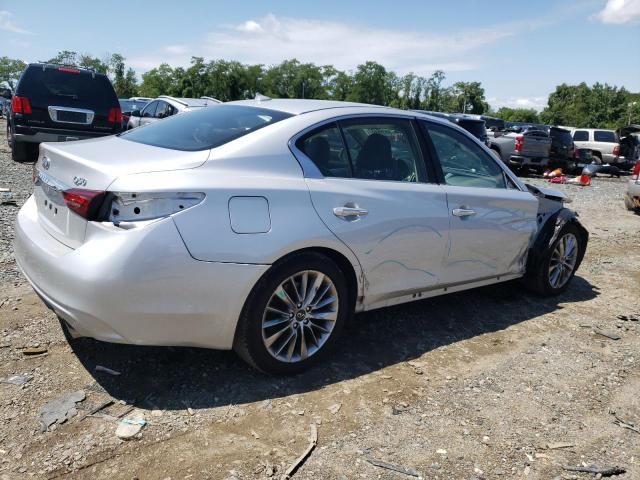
column 262, row 225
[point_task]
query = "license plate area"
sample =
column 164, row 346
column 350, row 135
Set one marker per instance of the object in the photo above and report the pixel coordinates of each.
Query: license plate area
column 54, row 215
column 77, row 116
column 72, row 117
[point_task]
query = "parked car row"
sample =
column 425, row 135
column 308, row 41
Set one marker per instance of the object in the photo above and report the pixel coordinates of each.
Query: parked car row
column 58, row 103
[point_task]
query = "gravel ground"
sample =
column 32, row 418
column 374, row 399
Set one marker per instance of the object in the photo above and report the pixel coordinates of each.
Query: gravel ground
column 492, row 383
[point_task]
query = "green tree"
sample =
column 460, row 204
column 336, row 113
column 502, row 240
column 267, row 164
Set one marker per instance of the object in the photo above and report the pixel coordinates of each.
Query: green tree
column 528, row 115
column 158, row 81
column 370, row 84
column 10, row 71
column 124, row 82
column 466, row 97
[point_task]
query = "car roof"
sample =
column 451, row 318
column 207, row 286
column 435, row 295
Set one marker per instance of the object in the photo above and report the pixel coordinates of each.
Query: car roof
column 55, row 66
column 296, row 106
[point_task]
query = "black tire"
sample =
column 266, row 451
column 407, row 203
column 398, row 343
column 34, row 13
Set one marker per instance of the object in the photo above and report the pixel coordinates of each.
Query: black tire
column 22, row 152
column 249, row 343
column 539, row 280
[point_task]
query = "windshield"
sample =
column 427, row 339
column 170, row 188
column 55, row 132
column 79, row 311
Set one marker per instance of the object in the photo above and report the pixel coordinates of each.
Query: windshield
column 205, row 128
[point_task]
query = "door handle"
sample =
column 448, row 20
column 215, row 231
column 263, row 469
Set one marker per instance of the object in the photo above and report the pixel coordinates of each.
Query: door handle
column 350, row 211
column 463, row 212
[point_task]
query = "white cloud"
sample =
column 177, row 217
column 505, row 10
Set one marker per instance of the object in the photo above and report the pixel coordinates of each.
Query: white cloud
column 176, row 49
column 272, row 39
column 6, row 23
column 619, row 12
column 537, row 103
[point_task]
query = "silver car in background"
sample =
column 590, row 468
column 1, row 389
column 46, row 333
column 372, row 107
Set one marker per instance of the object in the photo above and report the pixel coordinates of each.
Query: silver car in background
column 263, row 226
column 164, row 107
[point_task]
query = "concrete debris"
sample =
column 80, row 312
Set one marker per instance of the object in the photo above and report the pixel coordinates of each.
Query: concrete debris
column 335, row 408
column 60, row 409
column 131, row 426
column 16, row 379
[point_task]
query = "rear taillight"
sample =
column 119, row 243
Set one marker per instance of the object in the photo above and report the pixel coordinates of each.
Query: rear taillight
column 85, row 203
column 68, row 70
column 115, row 115
column 616, row 150
column 635, row 174
column 519, row 143
column 20, row 105
column 140, row 207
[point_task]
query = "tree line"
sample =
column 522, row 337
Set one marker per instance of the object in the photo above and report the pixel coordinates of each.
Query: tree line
column 600, row 105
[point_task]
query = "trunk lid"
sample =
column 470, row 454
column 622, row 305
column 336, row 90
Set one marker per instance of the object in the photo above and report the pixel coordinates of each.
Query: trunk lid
column 94, row 165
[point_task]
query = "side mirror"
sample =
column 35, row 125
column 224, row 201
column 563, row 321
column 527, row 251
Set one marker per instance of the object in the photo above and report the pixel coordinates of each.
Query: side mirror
column 136, row 113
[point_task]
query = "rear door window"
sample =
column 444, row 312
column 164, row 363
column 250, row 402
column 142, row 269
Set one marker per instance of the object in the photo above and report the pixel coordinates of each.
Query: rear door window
column 605, row 136
column 383, row 149
column 581, row 136
column 205, row 128
column 326, row 150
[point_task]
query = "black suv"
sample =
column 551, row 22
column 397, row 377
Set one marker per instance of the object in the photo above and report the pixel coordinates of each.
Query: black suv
column 54, row 103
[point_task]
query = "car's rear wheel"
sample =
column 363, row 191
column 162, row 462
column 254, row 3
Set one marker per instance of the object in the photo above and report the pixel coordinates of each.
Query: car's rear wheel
column 558, row 265
column 293, row 315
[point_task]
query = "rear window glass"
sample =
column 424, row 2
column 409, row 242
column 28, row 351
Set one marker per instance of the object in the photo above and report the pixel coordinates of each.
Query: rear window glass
column 561, row 136
column 477, row 129
column 605, row 136
column 205, row 128
column 52, row 84
column 495, row 123
column 581, row 136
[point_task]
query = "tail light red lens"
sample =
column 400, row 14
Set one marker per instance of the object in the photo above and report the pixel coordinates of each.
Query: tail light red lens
column 85, row 203
column 21, row 105
column 616, row 150
column 519, row 143
column 635, row 174
column 68, row 70
column 115, row 115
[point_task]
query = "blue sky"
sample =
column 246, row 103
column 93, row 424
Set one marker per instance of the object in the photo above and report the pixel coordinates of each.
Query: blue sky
column 519, row 50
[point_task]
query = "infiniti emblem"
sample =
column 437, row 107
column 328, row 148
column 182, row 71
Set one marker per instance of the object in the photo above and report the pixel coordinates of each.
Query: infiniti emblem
column 79, row 181
column 46, row 163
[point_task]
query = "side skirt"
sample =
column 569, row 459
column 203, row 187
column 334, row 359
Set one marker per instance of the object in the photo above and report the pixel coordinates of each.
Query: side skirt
column 436, row 291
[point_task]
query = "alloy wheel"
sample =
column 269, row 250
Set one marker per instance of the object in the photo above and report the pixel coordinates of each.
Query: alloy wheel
column 563, row 260
column 300, row 316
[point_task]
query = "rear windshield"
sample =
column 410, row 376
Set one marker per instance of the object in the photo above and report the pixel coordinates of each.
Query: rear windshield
column 474, row 127
column 605, row 136
column 205, row 128
column 72, row 85
column 561, row 135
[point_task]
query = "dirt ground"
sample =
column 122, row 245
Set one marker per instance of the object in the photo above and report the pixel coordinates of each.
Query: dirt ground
column 488, row 384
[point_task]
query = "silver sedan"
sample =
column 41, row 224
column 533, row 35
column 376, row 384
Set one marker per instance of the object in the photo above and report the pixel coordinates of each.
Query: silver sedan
column 263, row 225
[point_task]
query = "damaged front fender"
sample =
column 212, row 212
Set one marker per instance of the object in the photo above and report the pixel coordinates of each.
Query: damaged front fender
column 548, row 233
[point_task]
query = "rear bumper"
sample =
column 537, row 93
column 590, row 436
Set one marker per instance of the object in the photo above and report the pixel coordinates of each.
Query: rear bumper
column 39, row 135
column 519, row 160
column 135, row 286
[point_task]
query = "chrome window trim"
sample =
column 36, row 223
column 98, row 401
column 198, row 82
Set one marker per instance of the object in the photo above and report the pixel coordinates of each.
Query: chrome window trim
column 309, row 169
column 54, row 109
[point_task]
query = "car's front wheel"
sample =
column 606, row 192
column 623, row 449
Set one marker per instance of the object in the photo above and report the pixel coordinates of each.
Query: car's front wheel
column 553, row 273
column 293, row 315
